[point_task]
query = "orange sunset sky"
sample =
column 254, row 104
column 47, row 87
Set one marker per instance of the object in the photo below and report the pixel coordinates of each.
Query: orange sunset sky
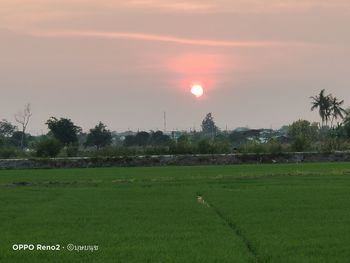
column 125, row 62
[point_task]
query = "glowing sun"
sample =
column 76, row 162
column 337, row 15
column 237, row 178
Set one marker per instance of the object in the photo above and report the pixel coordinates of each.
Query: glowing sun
column 197, row 90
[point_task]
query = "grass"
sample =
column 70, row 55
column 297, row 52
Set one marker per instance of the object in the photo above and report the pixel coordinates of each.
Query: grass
column 249, row 213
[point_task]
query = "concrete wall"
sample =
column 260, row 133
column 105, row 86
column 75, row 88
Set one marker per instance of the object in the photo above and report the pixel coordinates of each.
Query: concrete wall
column 163, row 160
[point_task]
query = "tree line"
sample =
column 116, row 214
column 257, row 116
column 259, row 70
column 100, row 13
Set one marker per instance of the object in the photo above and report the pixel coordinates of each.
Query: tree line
column 66, row 139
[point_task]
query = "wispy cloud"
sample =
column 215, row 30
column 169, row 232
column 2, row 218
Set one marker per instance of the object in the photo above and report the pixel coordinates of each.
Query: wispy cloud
column 162, row 38
column 21, row 9
column 16, row 14
column 189, row 6
column 237, row 6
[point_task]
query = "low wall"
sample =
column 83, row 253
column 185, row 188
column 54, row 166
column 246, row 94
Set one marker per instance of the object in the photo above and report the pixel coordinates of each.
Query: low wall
column 163, row 160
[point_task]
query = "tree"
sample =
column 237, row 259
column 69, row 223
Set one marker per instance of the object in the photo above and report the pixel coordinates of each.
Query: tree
column 22, row 118
column 204, row 147
column 323, row 103
column 208, row 125
column 48, row 147
column 159, row 138
column 237, row 138
column 129, row 140
column 221, row 144
column 303, row 128
column 345, row 126
column 329, row 107
column 336, row 109
column 16, row 139
column 302, row 133
column 99, row 136
column 6, row 128
column 142, row 138
column 183, row 145
column 63, row 130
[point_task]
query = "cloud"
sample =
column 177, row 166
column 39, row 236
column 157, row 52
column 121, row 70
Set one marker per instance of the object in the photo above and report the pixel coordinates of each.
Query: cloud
column 170, row 5
column 162, row 38
column 237, row 6
column 17, row 14
column 19, row 9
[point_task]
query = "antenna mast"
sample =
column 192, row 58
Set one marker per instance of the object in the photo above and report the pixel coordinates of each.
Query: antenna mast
column 164, row 121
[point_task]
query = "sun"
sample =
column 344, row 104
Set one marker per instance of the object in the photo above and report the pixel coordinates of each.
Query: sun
column 197, row 90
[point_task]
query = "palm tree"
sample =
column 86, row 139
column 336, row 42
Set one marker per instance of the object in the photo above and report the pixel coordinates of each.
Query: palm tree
column 328, row 108
column 322, row 102
column 336, row 109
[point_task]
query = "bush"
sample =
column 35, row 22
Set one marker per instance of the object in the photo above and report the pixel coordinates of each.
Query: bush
column 48, row 148
column 112, row 151
column 182, row 146
column 329, row 145
column 275, row 148
column 204, row 147
column 7, row 153
column 301, row 144
column 222, row 145
column 345, row 146
column 333, row 144
column 252, row 147
column 72, row 150
column 156, row 150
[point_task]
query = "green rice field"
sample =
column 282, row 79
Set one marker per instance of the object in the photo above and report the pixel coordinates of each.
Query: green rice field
column 201, row 214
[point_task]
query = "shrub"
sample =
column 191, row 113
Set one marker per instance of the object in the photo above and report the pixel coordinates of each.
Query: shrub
column 222, row 145
column 204, row 147
column 6, row 153
column 333, row 144
column 48, row 148
column 112, row 151
column 252, row 147
column 274, row 147
column 156, row 150
column 182, row 146
column 301, row 144
column 329, row 145
column 72, row 150
column 345, row 146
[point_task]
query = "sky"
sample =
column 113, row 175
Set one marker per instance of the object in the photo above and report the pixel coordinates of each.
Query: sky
column 125, row 62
